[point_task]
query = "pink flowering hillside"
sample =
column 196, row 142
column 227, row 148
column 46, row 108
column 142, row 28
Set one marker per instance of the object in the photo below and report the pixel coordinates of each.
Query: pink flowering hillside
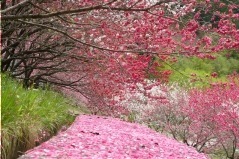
column 96, row 137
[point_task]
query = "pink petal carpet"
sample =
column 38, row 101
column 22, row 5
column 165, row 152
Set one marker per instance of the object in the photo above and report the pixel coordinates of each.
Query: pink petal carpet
column 98, row 137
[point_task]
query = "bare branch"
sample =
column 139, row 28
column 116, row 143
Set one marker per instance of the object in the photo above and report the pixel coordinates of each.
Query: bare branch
column 48, row 15
column 15, row 6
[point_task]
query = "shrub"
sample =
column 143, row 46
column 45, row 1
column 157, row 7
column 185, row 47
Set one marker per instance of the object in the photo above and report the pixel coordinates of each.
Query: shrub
column 29, row 116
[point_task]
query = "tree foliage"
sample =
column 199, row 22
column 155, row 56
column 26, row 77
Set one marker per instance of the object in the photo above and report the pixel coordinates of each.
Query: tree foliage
column 205, row 119
column 102, row 49
column 98, row 48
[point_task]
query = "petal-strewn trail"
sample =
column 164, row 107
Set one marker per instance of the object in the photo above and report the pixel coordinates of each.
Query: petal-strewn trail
column 96, row 137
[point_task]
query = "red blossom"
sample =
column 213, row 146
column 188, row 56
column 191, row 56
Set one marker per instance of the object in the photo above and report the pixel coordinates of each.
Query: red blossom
column 214, row 74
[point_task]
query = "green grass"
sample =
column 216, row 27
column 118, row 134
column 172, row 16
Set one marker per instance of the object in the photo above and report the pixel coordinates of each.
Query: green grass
column 184, row 69
column 28, row 113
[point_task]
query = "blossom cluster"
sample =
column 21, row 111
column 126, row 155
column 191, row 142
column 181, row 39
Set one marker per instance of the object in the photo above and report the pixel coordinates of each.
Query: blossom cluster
column 206, row 119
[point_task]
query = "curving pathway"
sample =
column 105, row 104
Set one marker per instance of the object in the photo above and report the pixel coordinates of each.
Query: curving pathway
column 97, row 137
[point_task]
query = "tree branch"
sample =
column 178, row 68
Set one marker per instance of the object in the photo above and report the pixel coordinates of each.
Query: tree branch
column 15, row 6
column 48, row 15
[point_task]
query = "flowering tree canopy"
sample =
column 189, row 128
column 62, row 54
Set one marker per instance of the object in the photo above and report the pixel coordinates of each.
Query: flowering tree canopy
column 206, row 119
column 100, row 47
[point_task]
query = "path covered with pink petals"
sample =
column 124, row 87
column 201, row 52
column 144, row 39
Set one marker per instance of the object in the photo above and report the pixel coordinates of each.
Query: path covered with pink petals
column 96, row 137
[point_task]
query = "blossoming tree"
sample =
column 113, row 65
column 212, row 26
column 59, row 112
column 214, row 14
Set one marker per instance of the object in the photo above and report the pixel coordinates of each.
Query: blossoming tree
column 103, row 48
column 99, row 48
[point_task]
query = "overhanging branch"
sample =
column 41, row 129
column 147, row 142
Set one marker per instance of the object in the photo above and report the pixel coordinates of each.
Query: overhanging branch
column 15, row 6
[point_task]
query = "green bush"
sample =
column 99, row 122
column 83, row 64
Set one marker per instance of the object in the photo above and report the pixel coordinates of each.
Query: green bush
column 29, row 114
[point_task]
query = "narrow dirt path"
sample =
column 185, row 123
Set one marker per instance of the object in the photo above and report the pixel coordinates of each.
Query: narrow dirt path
column 97, row 137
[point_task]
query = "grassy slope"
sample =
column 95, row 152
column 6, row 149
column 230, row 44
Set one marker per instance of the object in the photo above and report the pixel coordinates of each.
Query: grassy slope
column 202, row 68
column 30, row 116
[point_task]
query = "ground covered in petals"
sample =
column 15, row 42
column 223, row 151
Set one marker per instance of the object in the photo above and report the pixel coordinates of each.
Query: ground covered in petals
column 97, row 137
